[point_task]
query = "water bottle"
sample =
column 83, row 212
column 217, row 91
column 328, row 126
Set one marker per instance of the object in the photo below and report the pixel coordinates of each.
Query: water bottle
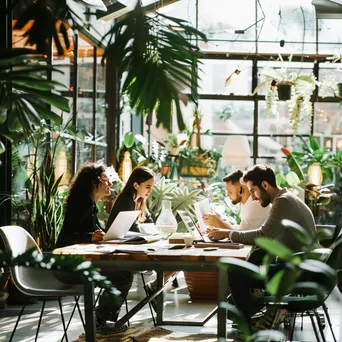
column 166, row 222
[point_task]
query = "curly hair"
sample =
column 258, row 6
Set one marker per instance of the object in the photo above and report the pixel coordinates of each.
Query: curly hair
column 84, row 181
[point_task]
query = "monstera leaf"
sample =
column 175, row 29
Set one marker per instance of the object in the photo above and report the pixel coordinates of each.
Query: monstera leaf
column 159, row 61
column 25, row 94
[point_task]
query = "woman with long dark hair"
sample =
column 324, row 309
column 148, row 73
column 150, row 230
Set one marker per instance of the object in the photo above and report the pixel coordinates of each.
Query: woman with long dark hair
column 81, row 225
column 133, row 196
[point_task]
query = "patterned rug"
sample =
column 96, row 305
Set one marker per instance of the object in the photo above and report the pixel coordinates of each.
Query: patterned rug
column 134, row 334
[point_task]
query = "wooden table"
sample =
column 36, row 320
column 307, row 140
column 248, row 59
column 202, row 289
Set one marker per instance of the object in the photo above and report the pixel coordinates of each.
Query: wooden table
column 157, row 257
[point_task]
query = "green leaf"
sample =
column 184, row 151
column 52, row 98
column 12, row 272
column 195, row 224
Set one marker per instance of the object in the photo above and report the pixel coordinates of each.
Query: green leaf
column 129, row 139
column 241, row 266
column 237, row 317
column 274, row 247
column 292, row 179
column 2, row 147
column 282, row 282
column 314, row 144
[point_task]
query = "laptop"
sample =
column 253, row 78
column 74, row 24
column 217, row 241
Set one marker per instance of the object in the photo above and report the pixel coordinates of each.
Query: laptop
column 191, row 227
column 121, row 225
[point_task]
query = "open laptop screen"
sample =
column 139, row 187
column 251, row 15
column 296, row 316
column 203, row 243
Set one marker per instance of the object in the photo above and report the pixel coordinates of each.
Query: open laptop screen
column 121, row 225
column 191, row 227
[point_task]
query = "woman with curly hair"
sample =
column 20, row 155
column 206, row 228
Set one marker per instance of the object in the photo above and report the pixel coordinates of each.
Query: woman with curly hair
column 81, row 225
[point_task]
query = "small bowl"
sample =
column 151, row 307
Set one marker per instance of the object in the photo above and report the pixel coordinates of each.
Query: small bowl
column 147, row 228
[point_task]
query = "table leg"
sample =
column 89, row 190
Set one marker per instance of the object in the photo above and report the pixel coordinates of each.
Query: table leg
column 160, row 298
column 90, row 331
column 222, row 293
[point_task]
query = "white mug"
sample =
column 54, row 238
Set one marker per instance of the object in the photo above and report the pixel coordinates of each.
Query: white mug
column 188, row 239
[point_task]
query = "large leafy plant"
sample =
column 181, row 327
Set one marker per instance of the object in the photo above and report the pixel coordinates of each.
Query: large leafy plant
column 158, row 62
column 181, row 198
column 26, row 95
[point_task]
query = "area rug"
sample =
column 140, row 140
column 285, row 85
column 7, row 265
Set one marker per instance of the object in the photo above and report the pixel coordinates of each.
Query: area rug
column 133, row 334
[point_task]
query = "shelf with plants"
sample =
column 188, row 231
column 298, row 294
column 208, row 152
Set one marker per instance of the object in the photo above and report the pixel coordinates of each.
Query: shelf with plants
column 194, row 160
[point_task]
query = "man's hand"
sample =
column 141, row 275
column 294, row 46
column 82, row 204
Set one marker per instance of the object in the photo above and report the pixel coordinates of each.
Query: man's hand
column 217, row 233
column 98, row 235
column 215, row 221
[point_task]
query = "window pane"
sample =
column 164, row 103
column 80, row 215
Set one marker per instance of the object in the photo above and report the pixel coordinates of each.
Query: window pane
column 270, row 124
column 292, row 21
column 271, row 146
column 85, row 115
column 223, row 116
column 329, row 36
column 329, row 75
column 328, row 118
column 85, row 66
column 219, row 20
column 101, row 111
column 214, row 73
column 83, row 153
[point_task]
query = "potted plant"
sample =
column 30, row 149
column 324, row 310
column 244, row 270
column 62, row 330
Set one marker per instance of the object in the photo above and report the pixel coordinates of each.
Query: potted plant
column 193, row 160
column 283, row 85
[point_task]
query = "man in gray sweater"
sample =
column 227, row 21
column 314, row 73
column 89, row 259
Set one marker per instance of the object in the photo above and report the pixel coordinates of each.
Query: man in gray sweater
column 261, row 183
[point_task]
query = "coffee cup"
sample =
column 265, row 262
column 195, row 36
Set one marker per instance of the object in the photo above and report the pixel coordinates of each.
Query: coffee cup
column 188, row 239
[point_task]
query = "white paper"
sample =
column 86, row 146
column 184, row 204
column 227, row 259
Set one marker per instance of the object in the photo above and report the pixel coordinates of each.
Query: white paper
column 202, row 208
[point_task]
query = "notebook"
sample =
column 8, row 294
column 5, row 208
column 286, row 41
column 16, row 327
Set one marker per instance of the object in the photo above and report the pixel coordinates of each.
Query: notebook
column 121, row 225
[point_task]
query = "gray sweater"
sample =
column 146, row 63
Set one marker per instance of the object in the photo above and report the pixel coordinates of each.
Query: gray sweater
column 285, row 206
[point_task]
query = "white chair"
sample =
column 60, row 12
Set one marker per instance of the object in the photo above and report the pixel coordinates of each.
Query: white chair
column 34, row 282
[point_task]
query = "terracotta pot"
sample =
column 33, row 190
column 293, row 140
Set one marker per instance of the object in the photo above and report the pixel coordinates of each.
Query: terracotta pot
column 166, row 170
column 202, row 285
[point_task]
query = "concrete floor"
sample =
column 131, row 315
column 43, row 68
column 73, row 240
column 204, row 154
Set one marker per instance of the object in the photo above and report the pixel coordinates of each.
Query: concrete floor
column 178, row 306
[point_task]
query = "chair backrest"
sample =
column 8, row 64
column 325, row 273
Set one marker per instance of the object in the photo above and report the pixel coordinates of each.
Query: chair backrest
column 17, row 240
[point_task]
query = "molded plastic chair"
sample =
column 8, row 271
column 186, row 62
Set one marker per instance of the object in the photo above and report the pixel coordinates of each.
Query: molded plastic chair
column 34, row 282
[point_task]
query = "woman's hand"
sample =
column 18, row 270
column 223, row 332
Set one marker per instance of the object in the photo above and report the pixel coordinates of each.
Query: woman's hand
column 98, row 235
column 217, row 233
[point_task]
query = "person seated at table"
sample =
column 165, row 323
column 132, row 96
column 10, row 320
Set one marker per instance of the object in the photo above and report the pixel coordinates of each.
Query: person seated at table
column 261, row 183
column 133, row 197
column 81, row 225
column 252, row 214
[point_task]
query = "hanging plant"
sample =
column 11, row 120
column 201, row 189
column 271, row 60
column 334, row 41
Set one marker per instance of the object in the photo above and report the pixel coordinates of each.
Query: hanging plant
column 159, row 61
column 300, row 88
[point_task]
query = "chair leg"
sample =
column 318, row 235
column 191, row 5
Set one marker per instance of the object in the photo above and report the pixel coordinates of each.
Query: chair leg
column 314, row 326
column 325, row 309
column 62, row 317
column 149, row 304
column 293, row 326
column 126, row 304
column 17, row 322
column 72, row 314
column 79, row 311
column 40, row 320
column 98, row 296
column 319, row 325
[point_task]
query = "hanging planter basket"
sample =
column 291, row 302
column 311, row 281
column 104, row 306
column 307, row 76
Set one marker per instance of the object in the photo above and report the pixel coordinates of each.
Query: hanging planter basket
column 284, row 92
